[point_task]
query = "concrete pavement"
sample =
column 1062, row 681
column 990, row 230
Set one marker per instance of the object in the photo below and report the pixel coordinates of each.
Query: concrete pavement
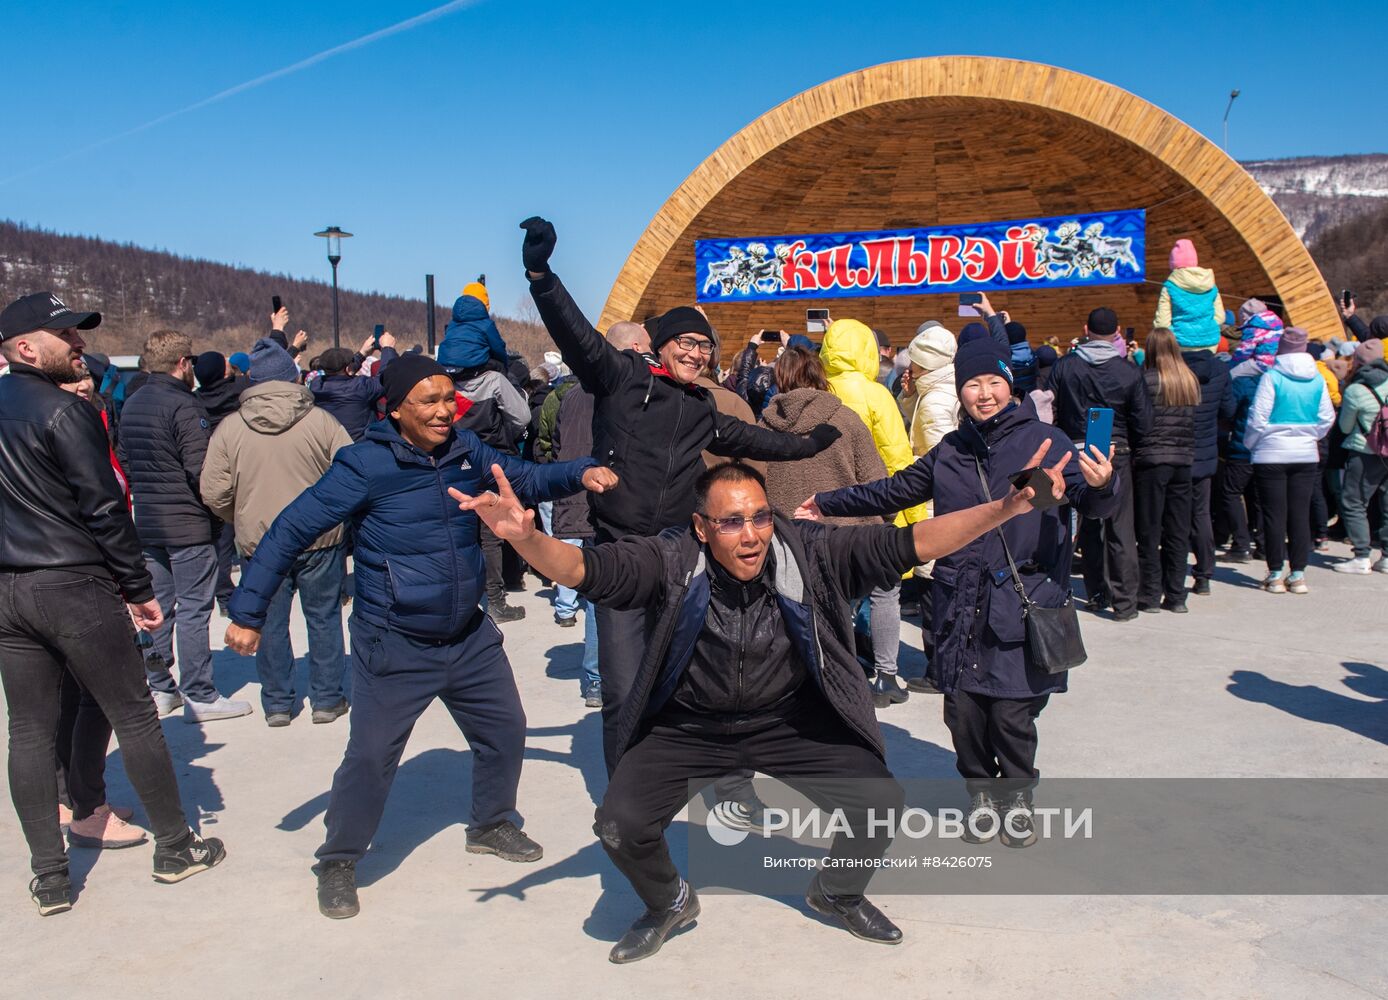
column 1248, row 684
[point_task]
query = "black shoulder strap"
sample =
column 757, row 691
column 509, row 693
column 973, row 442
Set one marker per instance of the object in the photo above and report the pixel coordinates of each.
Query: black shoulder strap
column 1011, row 565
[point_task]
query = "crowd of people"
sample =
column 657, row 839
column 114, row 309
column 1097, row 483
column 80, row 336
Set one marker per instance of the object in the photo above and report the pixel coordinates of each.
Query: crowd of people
column 741, row 542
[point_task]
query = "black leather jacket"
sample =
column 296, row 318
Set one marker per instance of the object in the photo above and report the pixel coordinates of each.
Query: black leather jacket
column 60, row 504
column 744, row 662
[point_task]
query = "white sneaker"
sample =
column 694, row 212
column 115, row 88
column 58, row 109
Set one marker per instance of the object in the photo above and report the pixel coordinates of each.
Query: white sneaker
column 1359, row 566
column 1381, row 566
column 1275, row 583
column 211, row 711
column 167, row 702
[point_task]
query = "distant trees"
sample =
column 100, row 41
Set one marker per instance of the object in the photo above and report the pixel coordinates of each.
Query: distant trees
column 221, row 307
column 1354, row 255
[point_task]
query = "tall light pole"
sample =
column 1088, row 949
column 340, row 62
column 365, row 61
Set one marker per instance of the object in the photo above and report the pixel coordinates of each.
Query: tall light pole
column 334, row 236
column 1232, row 94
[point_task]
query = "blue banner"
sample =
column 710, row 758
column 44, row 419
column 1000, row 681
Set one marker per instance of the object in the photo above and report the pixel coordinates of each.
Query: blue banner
column 1101, row 248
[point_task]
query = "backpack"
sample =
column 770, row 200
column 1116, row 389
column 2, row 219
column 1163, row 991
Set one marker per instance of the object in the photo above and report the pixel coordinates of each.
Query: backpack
column 1377, row 438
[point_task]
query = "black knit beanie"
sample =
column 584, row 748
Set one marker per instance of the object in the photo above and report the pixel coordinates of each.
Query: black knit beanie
column 984, row 356
column 406, row 372
column 677, row 322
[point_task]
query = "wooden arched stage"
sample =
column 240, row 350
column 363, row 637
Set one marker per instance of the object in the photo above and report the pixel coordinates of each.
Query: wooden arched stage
column 964, row 139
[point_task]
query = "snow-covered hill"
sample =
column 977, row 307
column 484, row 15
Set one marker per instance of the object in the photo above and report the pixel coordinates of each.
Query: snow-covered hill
column 1317, row 192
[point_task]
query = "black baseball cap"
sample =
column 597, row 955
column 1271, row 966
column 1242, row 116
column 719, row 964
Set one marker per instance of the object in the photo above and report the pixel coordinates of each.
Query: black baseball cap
column 43, row 311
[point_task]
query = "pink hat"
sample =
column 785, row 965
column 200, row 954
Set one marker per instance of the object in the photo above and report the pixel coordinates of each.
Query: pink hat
column 1183, row 255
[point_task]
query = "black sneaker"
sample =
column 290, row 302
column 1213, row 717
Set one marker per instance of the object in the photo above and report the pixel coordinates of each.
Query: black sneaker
column 337, row 889
column 505, row 840
column 1176, row 607
column 1201, row 586
column 1017, row 827
column 592, row 695
column 502, row 612
column 51, row 892
column 1123, row 616
column 197, row 855
column 922, row 685
column 1097, row 604
column 1148, row 609
column 1237, row 556
column 566, row 621
column 981, row 821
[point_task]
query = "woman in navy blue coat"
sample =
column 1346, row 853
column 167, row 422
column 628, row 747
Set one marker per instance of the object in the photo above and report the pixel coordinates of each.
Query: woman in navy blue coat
column 993, row 692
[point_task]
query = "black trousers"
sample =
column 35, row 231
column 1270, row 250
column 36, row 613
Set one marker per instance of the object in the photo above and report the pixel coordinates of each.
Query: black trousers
column 1163, row 531
column 1320, row 505
column 84, row 734
column 1239, row 502
column 621, row 647
column 1202, row 543
column 227, row 557
column 994, row 740
column 1284, row 490
column 1109, row 556
column 492, row 559
column 815, row 753
column 54, row 621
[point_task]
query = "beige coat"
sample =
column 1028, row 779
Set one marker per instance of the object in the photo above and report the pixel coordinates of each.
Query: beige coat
column 263, row 456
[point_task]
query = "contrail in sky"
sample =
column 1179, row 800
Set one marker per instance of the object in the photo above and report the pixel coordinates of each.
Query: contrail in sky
column 240, row 88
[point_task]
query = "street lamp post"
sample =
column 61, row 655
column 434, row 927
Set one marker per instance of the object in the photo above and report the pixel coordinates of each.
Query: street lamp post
column 334, row 236
column 1232, row 94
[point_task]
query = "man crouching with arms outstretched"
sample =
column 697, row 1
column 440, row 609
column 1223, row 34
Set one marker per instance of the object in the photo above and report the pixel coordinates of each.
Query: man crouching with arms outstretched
column 749, row 664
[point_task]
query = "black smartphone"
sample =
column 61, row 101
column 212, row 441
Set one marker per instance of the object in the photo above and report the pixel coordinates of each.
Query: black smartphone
column 1037, row 479
column 816, row 320
column 1128, row 333
column 376, row 334
column 1346, row 297
column 970, row 298
column 771, row 336
column 276, row 303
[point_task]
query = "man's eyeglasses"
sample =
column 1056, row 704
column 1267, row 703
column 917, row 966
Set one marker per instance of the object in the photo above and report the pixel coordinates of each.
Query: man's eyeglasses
column 761, row 520
column 704, row 347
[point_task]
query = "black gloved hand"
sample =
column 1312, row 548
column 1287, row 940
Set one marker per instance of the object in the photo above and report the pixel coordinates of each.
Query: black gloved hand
column 539, row 244
column 823, row 435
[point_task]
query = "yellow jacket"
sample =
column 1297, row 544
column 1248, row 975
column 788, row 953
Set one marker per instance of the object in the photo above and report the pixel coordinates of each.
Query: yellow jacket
column 849, row 354
column 1332, row 384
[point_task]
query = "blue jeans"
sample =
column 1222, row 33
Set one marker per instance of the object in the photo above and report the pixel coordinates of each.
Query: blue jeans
column 317, row 576
column 567, row 602
column 185, row 583
column 566, row 599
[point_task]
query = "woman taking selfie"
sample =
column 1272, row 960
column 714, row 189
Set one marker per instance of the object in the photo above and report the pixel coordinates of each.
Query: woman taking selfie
column 999, row 601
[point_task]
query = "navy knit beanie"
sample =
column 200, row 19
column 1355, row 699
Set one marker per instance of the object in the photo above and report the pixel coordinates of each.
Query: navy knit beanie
column 1016, row 333
column 973, row 331
column 209, row 367
column 981, row 357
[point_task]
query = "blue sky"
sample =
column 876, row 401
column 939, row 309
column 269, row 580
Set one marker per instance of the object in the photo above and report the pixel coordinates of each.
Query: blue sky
column 432, row 143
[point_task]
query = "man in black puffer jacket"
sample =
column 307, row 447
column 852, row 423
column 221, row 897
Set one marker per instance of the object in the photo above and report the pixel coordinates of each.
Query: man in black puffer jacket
column 163, row 441
column 1216, row 405
column 748, row 662
column 651, row 424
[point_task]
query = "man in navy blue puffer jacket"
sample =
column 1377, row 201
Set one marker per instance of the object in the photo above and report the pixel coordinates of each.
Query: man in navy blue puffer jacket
column 417, row 631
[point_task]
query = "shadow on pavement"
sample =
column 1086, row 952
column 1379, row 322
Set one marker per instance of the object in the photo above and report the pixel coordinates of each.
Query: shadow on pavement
column 1306, row 701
